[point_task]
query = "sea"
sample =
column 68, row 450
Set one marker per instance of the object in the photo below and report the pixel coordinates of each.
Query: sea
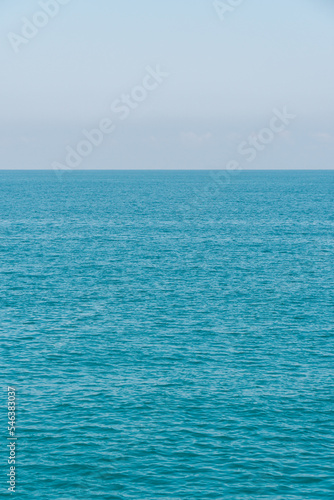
column 169, row 334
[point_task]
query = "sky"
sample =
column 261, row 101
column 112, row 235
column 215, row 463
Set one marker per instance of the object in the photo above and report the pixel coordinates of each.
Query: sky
column 183, row 84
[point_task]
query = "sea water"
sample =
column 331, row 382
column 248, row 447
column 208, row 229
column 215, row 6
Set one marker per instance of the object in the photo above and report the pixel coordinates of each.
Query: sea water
column 169, row 334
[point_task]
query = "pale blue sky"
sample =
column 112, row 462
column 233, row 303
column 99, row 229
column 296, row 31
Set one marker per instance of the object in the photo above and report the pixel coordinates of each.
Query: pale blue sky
column 225, row 78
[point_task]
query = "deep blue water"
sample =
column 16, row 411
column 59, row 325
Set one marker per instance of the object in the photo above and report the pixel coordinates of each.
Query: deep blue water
column 168, row 338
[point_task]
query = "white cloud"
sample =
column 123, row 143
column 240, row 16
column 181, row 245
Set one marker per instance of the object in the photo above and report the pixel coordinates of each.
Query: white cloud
column 193, row 139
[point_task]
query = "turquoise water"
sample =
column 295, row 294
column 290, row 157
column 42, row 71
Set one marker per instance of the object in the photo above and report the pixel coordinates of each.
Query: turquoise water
column 167, row 339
